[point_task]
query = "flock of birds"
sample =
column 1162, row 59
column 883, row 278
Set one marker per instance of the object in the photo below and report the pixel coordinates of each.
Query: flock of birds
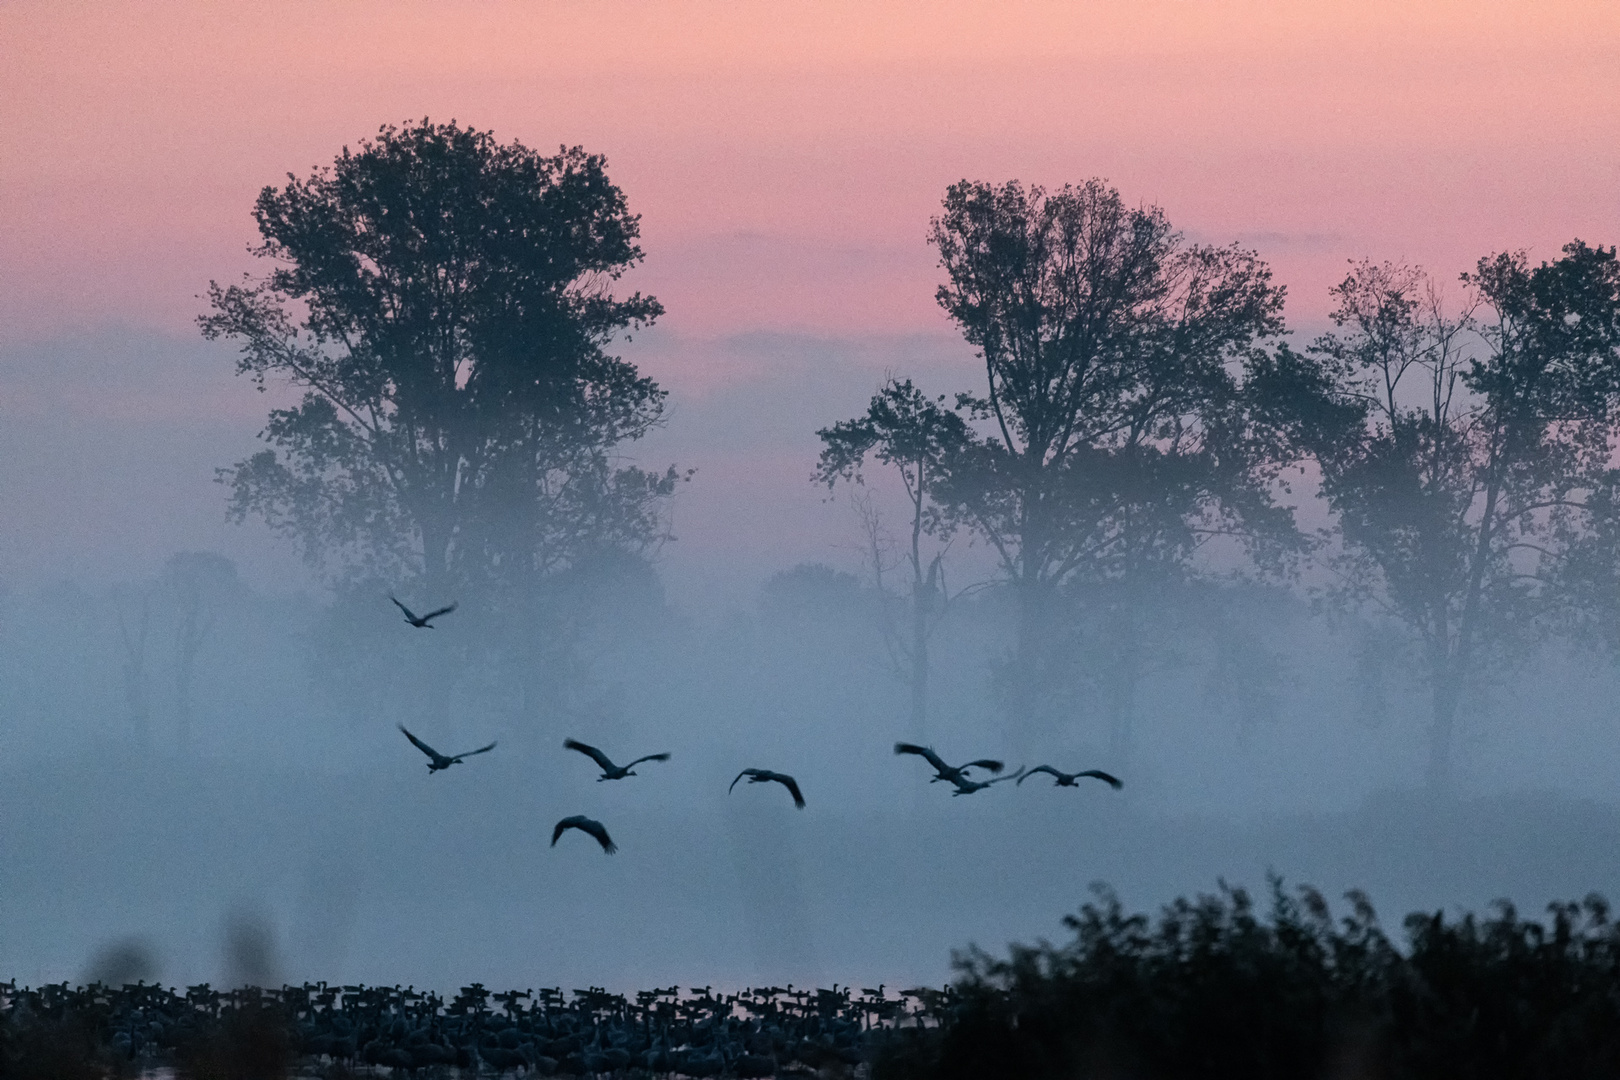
column 956, row 775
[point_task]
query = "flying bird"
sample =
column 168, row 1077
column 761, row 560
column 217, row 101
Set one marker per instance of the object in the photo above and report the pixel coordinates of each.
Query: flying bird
column 436, row 760
column 610, row 771
column 946, row 772
column 421, row 622
column 761, row 776
column 964, row 786
column 585, row 825
column 1067, row 779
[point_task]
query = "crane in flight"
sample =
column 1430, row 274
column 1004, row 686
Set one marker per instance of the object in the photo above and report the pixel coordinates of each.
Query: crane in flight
column 588, row 826
column 964, row 786
column 1067, row 779
column 610, row 771
column 761, row 776
column 421, row 622
column 948, row 773
column 436, row 760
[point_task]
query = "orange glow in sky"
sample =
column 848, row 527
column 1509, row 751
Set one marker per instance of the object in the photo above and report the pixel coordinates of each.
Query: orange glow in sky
column 786, row 157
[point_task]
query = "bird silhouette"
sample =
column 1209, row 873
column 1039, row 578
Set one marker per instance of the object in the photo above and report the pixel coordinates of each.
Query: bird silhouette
column 421, row 622
column 585, row 825
column 436, row 760
column 1067, row 779
column 964, row 786
column 946, row 772
column 610, row 771
column 761, row 776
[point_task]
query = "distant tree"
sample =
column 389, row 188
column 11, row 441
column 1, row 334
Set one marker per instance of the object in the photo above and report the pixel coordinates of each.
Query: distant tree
column 197, row 585
column 915, row 436
column 1132, row 411
column 812, row 591
column 1469, row 483
column 443, row 302
column 132, row 634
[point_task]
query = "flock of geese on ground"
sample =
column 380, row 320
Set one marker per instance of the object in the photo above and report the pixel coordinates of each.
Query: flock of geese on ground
column 956, row 775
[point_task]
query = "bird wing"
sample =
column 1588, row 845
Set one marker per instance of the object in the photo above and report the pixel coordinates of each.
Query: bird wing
column 409, row 614
column 985, row 763
column 745, row 772
column 598, row 830
column 480, row 750
column 1019, row 775
column 562, row 826
column 591, row 752
column 649, row 757
column 420, row 745
column 924, row 751
column 792, row 785
column 1112, row 781
column 1039, row 768
column 436, row 614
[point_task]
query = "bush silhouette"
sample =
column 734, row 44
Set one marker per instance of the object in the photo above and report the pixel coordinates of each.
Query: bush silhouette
column 1211, row 989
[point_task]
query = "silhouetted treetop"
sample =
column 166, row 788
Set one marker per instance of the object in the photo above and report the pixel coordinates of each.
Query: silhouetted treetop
column 445, row 300
column 439, row 257
column 1470, row 492
column 1137, row 401
column 1098, row 323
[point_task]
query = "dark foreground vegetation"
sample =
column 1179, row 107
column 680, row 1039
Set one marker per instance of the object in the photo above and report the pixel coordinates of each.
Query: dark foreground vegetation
column 1212, row 988
column 63, row 1033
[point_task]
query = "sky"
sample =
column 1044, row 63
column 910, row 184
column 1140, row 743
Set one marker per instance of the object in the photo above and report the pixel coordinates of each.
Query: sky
column 785, row 158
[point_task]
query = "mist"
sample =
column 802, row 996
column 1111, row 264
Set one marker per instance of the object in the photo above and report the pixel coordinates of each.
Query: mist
column 277, row 815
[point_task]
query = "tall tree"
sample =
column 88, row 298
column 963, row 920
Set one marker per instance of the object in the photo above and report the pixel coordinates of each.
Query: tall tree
column 1118, row 360
column 916, row 436
column 443, row 300
column 134, row 666
column 1469, row 482
column 197, row 585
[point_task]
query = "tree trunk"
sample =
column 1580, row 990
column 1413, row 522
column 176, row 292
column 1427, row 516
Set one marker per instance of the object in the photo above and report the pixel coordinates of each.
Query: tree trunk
column 921, row 596
column 189, row 645
column 1025, row 698
column 1126, row 679
column 182, row 701
column 135, row 696
column 1442, row 724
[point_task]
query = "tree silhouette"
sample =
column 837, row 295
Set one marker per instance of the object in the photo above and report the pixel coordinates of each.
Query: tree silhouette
column 916, row 436
column 197, row 583
column 1469, row 483
column 443, row 302
column 1131, row 413
column 132, row 635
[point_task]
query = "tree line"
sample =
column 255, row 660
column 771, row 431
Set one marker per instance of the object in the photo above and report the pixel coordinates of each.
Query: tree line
column 1144, row 430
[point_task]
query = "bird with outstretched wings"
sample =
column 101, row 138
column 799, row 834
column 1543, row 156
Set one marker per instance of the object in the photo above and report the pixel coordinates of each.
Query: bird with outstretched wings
column 610, row 771
column 436, row 760
column 588, row 826
column 1068, row 779
column 949, row 773
column 965, row 786
column 765, row 776
column 422, row 622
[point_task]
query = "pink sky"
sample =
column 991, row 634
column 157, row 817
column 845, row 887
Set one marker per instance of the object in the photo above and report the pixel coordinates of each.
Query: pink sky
column 786, row 157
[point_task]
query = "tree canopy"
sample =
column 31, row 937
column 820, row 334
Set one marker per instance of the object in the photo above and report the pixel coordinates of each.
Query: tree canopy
column 918, row 437
column 444, row 302
column 1474, row 487
column 1132, row 408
